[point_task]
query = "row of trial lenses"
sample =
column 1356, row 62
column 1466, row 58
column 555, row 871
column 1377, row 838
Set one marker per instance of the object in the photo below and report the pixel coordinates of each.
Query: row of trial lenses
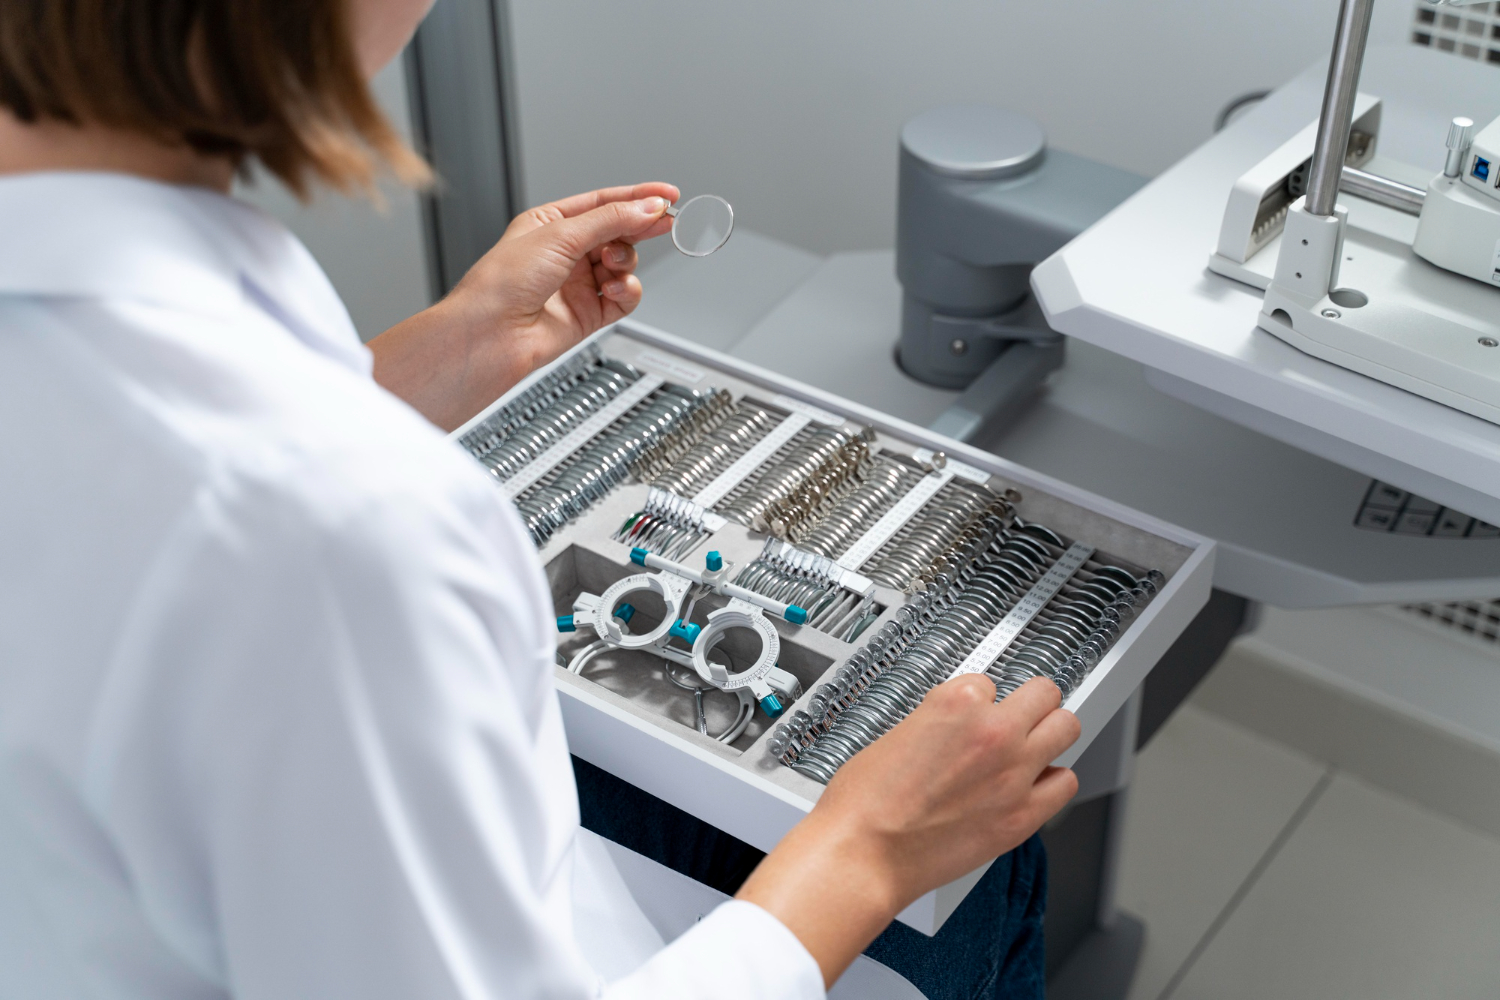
column 660, row 456
column 574, row 487
column 906, row 562
column 885, row 483
column 800, row 459
column 1012, row 569
column 910, row 620
column 1069, row 636
column 1066, row 641
column 725, row 445
column 591, row 394
column 496, row 428
column 792, row 516
column 889, row 643
column 668, row 525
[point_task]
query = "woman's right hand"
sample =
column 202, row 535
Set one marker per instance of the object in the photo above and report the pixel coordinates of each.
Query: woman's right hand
column 960, row 781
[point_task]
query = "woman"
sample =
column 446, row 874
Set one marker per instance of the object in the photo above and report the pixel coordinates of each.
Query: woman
column 276, row 709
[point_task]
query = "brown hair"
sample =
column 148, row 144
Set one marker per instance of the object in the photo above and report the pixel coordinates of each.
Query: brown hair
column 278, row 80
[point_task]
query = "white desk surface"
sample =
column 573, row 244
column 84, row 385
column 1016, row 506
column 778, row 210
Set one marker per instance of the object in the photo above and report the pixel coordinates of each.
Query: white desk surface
column 1284, row 518
column 1137, row 284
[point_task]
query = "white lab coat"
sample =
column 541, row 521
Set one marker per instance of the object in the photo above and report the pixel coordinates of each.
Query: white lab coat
column 277, row 717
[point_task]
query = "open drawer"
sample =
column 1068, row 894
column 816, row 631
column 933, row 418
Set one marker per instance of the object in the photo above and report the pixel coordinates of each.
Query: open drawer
column 811, row 559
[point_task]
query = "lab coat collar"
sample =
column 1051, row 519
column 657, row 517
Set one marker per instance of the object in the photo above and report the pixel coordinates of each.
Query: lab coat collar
column 93, row 235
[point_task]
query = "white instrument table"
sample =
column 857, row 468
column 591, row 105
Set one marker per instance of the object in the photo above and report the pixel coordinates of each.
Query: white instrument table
column 1137, row 284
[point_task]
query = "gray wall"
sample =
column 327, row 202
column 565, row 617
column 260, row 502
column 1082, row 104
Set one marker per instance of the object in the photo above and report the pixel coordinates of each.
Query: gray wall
column 374, row 256
column 790, row 108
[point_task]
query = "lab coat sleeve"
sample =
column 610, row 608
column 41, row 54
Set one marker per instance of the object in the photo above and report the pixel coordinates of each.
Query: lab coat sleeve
column 738, row 943
column 332, row 763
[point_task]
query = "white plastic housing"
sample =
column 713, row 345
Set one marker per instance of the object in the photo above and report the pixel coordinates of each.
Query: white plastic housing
column 1481, row 170
column 1460, row 230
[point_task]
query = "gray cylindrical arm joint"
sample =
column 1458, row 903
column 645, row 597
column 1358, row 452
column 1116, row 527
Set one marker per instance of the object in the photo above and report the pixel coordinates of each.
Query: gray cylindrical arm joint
column 1338, row 106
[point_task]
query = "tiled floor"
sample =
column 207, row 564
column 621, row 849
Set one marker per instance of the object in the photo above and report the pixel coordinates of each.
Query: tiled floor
column 1264, row 873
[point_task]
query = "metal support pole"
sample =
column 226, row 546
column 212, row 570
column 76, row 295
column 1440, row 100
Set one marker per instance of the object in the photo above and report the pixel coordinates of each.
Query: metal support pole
column 1384, row 191
column 1338, row 106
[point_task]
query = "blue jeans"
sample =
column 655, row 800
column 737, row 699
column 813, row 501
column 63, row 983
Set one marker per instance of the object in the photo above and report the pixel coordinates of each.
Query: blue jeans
column 990, row 948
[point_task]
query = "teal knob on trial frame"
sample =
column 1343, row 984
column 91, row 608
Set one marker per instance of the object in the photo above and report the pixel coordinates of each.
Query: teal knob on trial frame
column 685, row 631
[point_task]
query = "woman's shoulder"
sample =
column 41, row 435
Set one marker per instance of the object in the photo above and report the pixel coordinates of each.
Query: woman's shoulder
column 157, row 406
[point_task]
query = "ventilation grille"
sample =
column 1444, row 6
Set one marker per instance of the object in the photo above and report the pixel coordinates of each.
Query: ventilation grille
column 1471, row 32
column 1392, row 510
column 1480, row 619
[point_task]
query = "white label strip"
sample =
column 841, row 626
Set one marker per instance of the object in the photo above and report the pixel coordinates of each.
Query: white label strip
column 961, row 470
column 819, row 414
column 674, row 368
column 1003, row 634
column 533, row 471
column 892, row 520
column 751, row 460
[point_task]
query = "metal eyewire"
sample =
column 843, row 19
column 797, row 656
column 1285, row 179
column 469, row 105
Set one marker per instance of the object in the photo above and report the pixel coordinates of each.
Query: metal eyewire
column 574, row 486
column 659, row 457
column 746, row 424
column 884, row 483
column 590, row 394
column 1072, row 633
column 910, row 560
column 799, row 735
column 816, row 453
column 505, row 421
column 933, row 633
column 792, row 516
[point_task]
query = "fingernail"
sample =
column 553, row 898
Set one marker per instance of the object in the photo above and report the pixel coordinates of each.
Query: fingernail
column 653, row 205
column 614, row 289
column 619, row 255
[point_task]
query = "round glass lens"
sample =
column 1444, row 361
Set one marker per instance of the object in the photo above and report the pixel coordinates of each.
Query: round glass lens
column 703, row 225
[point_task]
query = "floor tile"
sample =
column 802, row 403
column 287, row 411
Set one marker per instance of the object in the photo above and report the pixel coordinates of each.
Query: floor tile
column 1371, row 897
column 1207, row 801
column 1303, row 690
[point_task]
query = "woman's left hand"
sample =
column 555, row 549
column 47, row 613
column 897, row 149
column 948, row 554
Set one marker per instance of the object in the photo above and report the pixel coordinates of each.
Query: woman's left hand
column 560, row 272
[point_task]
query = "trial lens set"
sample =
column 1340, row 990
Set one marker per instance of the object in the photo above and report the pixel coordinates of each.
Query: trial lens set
column 854, row 558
